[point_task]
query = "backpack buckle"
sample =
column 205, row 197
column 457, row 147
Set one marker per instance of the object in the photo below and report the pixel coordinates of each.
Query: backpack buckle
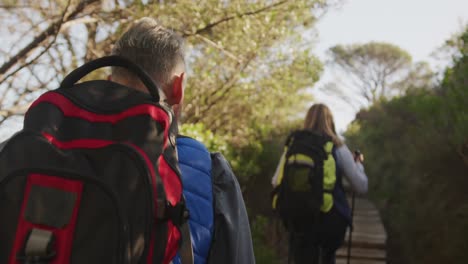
column 178, row 213
column 37, row 247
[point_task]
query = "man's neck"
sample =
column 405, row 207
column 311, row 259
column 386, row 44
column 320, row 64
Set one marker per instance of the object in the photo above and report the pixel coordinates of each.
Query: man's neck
column 138, row 85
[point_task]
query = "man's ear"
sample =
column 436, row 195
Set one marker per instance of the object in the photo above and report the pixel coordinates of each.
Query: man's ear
column 178, row 89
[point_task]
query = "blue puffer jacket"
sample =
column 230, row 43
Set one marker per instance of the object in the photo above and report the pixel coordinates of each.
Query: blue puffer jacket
column 195, row 167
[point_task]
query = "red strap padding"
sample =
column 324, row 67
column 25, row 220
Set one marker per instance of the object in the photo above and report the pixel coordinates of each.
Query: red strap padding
column 69, row 109
column 171, row 182
column 173, row 188
column 77, row 143
column 173, row 238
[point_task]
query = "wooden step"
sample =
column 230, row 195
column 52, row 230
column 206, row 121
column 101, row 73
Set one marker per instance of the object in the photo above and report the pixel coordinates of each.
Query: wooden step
column 362, row 253
column 359, row 261
column 370, row 213
column 370, row 229
column 368, row 238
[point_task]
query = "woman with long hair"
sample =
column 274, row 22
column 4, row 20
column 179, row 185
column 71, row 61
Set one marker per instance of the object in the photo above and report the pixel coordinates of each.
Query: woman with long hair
column 327, row 236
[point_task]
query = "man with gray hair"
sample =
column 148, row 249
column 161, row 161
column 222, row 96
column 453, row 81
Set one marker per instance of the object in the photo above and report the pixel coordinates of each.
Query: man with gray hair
column 159, row 51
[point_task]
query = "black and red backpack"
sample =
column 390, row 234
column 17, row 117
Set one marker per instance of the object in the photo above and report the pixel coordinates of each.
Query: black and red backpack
column 93, row 176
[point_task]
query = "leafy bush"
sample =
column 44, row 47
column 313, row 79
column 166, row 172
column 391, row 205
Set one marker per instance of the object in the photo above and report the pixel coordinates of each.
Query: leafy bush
column 199, row 132
column 416, row 150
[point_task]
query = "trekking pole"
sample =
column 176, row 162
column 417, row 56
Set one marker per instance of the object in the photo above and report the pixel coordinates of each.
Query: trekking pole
column 350, row 235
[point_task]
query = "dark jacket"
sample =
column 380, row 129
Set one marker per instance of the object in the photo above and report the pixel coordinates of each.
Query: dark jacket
column 232, row 242
column 2, row 145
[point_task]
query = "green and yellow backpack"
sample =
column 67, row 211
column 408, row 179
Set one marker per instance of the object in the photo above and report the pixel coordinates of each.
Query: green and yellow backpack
column 306, row 179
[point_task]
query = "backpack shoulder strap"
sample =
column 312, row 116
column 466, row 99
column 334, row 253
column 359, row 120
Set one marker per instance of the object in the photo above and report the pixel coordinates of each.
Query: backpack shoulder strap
column 186, row 249
column 291, row 136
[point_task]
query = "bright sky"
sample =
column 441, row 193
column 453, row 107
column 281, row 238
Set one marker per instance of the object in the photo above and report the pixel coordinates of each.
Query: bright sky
column 418, row 26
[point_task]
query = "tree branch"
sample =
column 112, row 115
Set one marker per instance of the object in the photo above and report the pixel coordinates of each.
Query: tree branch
column 29, row 62
column 53, row 29
column 5, row 94
column 219, row 47
column 15, row 110
column 9, row 7
column 229, row 18
column 91, row 42
column 41, row 83
column 218, row 95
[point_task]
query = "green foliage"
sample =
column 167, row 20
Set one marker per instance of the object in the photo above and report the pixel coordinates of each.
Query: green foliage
column 456, row 91
column 264, row 253
column 416, row 150
column 201, row 133
column 247, row 161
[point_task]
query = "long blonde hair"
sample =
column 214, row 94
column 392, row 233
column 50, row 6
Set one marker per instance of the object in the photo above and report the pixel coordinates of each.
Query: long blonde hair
column 320, row 120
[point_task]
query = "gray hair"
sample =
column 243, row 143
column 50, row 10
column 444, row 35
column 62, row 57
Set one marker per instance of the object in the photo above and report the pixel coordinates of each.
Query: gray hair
column 156, row 49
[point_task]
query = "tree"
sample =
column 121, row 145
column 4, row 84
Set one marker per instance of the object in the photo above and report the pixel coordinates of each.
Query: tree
column 418, row 76
column 249, row 66
column 373, row 68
